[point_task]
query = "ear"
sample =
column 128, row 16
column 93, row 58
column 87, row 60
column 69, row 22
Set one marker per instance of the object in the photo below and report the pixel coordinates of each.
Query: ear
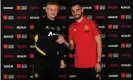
column 58, row 8
column 82, row 9
column 46, row 10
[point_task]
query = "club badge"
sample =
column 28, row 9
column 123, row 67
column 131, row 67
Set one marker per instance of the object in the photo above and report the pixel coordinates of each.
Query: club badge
column 86, row 28
column 52, row 28
column 58, row 28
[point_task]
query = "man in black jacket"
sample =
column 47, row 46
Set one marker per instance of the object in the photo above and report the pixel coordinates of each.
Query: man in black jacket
column 47, row 41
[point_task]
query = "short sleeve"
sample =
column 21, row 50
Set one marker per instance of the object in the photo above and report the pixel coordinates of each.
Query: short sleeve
column 70, row 33
column 96, row 30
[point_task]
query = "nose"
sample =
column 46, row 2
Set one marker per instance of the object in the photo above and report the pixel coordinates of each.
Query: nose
column 75, row 13
column 53, row 11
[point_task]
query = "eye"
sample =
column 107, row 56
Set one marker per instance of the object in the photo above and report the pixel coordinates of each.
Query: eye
column 72, row 11
column 50, row 9
column 78, row 9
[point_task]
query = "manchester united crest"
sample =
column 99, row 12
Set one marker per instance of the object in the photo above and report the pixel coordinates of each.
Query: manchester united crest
column 86, row 28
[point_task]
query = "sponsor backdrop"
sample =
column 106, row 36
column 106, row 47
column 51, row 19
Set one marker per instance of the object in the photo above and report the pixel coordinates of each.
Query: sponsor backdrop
column 19, row 19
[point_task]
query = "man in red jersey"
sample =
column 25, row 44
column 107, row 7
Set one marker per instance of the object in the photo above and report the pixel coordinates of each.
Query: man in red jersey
column 84, row 36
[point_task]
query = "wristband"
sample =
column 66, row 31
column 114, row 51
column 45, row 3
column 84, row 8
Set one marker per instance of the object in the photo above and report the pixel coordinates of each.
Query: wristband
column 99, row 62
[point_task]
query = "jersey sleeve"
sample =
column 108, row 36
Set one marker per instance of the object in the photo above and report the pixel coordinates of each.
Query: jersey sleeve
column 71, row 33
column 96, row 30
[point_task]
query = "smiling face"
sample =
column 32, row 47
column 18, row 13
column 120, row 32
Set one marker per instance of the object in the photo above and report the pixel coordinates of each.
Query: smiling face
column 77, row 11
column 52, row 10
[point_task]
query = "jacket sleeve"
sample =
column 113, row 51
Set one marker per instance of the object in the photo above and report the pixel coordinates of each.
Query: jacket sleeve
column 62, row 52
column 36, row 46
column 36, row 37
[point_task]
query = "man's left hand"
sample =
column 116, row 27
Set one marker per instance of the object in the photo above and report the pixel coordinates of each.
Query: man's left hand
column 62, row 64
column 60, row 39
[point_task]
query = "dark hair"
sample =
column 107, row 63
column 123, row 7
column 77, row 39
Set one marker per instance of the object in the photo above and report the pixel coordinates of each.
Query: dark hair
column 76, row 3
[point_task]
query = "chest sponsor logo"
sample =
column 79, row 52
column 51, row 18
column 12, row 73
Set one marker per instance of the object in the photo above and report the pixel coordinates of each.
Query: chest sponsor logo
column 52, row 34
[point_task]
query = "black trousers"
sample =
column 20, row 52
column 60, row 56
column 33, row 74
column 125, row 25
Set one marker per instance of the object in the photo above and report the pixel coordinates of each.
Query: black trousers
column 46, row 68
column 86, row 74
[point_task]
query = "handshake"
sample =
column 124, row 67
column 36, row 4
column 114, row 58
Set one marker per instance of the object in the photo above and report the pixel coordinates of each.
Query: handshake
column 60, row 39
